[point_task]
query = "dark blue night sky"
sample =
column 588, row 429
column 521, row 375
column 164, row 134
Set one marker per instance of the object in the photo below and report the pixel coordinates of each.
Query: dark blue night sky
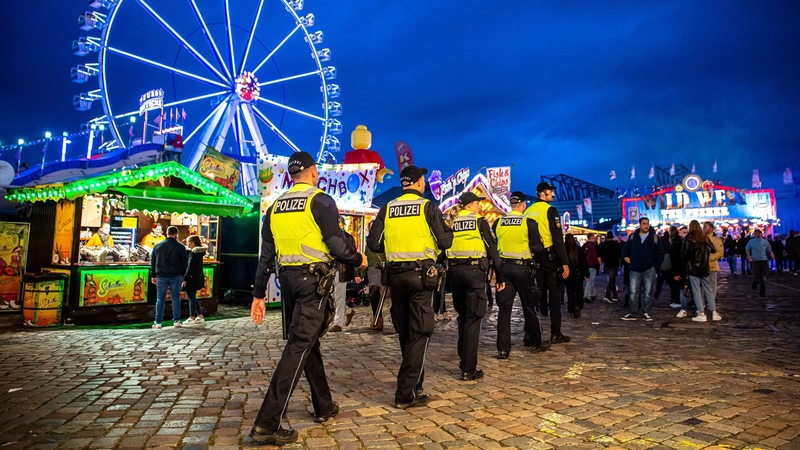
column 576, row 87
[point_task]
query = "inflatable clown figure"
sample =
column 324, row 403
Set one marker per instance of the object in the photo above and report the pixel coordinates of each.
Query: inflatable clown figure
column 361, row 140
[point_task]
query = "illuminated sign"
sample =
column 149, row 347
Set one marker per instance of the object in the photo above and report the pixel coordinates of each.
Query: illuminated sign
column 152, row 99
column 449, row 185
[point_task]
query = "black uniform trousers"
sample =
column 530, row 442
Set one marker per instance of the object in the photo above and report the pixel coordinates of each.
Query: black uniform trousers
column 518, row 280
column 412, row 317
column 611, row 287
column 550, row 282
column 470, row 301
column 301, row 353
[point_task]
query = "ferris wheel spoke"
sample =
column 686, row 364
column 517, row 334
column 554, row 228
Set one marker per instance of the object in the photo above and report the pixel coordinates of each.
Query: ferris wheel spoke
column 165, row 67
column 239, row 133
column 275, row 50
column 252, row 35
column 200, row 126
column 292, row 77
column 183, row 41
column 230, row 34
column 255, row 131
column 289, row 108
column 275, row 129
column 210, row 39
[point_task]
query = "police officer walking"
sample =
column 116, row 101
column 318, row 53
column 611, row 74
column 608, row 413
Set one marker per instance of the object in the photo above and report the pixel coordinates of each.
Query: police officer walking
column 473, row 242
column 517, row 241
column 411, row 231
column 301, row 229
column 553, row 263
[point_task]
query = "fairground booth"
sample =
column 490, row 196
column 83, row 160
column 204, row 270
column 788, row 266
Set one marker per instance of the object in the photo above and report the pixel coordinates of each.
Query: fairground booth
column 100, row 231
column 494, row 186
column 350, row 185
column 732, row 210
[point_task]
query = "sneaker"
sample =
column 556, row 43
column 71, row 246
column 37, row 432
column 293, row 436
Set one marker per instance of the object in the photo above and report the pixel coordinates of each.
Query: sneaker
column 278, row 437
column 419, row 400
column 189, row 322
column 177, row 324
column 681, row 314
column 321, row 418
column 471, row 376
column 560, row 339
column 199, row 321
column 647, row 317
column 715, row 316
column 157, row 326
column 629, row 317
column 675, row 305
column 700, row 317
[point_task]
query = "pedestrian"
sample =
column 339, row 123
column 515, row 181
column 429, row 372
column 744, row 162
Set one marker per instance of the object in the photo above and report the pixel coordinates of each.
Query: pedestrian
column 194, row 279
column 609, row 252
column 168, row 264
column 473, row 246
column 677, row 273
column 578, row 275
column 714, row 257
column 741, row 250
column 696, row 251
column 300, row 233
column 374, row 274
column 593, row 260
column 730, row 252
column 778, row 249
column 345, row 273
column 411, row 231
column 793, row 251
column 553, row 264
column 758, row 254
column 642, row 253
column 517, row 241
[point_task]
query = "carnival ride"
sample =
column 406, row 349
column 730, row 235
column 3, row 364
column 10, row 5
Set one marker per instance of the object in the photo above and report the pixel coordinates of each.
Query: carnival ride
column 251, row 74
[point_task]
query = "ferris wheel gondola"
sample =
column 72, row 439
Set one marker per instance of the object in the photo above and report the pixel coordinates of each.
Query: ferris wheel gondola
column 250, row 74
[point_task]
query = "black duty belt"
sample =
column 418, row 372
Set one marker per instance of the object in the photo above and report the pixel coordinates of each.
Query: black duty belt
column 519, row 262
column 404, row 265
column 464, row 262
column 307, row 267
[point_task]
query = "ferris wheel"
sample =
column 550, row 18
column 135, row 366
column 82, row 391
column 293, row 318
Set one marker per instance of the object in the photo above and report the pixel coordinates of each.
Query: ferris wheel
column 243, row 77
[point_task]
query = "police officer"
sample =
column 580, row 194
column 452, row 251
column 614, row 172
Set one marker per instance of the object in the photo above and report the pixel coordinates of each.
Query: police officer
column 553, row 263
column 411, row 232
column 517, row 241
column 473, row 243
column 301, row 229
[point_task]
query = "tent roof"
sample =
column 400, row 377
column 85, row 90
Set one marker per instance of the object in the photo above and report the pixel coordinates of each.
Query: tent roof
column 201, row 196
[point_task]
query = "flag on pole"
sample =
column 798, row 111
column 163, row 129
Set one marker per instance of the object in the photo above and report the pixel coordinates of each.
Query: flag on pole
column 579, row 208
column 693, row 167
column 633, row 173
column 130, row 131
column 787, row 176
column 183, row 114
column 157, row 119
column 652, row 173
column 170, row 115
column 756, row 179
column 672, row 170
column 714, row 167
column 587, row 205
column 612, row 175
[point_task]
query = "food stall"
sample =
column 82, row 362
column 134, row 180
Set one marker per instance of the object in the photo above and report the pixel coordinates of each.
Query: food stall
column 100, row 225
column 731, row 210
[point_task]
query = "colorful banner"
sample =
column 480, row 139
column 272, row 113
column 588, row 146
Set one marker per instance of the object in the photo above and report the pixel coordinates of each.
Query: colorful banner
column 114, row 286
column 499, row 180
column 13, row 258
column 404, row 156
column 350, row 185
column 587, row 205
column 62, row 238
column 718, row 204
column 220, row 169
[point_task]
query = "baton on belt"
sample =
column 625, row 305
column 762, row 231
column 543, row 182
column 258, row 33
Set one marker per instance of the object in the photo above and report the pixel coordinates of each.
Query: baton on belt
column 380, row 306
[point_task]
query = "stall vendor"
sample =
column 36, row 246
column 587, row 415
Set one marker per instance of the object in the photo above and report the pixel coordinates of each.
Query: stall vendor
column 154, row 237
column 102, row 238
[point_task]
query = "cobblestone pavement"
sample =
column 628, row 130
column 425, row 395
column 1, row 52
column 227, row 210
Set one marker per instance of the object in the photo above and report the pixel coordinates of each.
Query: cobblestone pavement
column 670, row 383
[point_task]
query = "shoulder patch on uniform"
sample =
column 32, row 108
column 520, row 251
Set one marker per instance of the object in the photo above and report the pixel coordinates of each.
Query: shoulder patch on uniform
column 557, row 221
column 289, row 205
column 404, row 210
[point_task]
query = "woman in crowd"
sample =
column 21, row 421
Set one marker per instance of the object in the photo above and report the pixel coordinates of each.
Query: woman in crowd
column 676, row 275
column 194, row 279
column 696, row 250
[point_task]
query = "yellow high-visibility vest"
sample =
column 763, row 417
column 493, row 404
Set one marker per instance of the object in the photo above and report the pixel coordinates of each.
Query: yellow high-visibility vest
column 298, row 239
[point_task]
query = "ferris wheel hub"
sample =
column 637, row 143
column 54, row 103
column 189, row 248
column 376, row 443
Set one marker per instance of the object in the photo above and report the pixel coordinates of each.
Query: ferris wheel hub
column 247, row 87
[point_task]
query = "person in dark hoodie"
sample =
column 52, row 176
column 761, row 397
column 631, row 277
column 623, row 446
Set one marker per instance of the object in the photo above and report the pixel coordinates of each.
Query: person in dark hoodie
column 167, row 266
column 194, row 279
column 643, row 254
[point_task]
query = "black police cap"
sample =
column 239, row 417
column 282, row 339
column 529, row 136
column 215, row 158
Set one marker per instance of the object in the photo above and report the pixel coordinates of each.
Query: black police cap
column 410, row 174
column 300, row 161
column 517, row 197
column 544, row 186
column 468, row 197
